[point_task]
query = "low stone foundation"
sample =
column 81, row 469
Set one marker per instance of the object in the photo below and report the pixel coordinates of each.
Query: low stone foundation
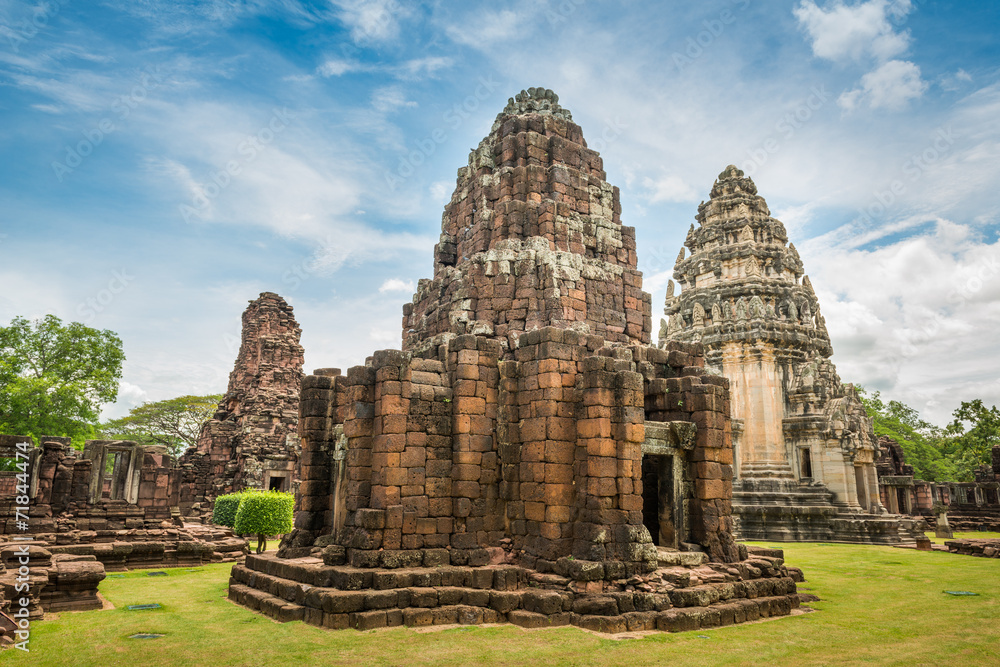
column 119, row 550
column 58, row 582
column 684, row 593
column 985, row 548
column 793, row 514
column 968, row 523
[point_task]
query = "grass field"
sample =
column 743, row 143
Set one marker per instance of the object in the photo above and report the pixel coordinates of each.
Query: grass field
column 880, row 605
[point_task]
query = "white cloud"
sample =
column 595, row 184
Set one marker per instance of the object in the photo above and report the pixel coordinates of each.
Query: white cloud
column 441, row 191
column 390, row 98
column 385, row 337
column 129, row 396
column 372, row 20
column 907, row 318
column 851, row 32
column 396, row 285
column 891, row 86
column 956, row 80
column 421, row 67
column 669, row 189
column 865, row 32
column 490, row 28
column 338, row 67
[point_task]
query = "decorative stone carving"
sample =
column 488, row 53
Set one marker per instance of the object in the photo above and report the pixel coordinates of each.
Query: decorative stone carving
column 698, row 315
column 741, row 308
column 793, row 418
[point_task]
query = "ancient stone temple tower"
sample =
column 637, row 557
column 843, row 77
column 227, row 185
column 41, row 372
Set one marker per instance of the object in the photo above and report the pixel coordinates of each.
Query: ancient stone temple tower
column 532, row 237
column 251, row 441
column 803, row 445
column 527, row 454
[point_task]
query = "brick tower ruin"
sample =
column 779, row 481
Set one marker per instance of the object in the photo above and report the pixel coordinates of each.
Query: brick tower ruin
column 252, row 440
column 804, row 446
column 527, row 456
column 532, row 237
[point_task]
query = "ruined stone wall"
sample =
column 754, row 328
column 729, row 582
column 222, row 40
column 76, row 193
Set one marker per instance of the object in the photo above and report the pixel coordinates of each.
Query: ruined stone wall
column 74, row 491
column 970, row 505
column 252, row 438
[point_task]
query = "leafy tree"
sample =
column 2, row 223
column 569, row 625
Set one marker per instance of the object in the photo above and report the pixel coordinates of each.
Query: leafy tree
column 973, row 446
column 54, row 377
column 264, row 513
column 925, row 445
column 175, row 422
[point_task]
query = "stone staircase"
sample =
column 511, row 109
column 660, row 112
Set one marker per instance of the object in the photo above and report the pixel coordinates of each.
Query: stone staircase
column 684, row 593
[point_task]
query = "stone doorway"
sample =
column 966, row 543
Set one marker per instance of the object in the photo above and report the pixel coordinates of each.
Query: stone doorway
column 805, row 464
column 902, row 501
column 276, row 481
column 661, row 513
column 859, row 477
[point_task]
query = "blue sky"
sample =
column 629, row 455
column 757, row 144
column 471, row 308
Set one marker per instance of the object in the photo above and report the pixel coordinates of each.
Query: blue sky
column 164, row 162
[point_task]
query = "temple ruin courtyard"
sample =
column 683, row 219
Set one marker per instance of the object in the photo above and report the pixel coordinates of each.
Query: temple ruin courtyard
column 880, row 605
column 332, row 341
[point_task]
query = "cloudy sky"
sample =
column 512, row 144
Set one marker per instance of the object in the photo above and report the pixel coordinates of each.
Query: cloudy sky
column 165, row 161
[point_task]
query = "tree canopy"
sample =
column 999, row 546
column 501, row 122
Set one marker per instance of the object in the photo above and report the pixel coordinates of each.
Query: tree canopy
column 936, row 454
column 175, row 422
column 54, row 377
column 973, row 445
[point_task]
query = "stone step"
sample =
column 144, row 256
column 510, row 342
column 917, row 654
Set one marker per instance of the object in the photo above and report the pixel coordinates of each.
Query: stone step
column 669, row 620
column 548, row 602
column 668, row 558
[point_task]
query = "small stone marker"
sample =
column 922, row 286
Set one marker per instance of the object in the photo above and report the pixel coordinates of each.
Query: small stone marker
column 961, row 593
column 145, row 635
column 156, row 574
column 142, row 607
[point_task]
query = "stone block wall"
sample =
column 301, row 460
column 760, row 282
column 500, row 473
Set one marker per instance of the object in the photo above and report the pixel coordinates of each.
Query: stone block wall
column 462, row 450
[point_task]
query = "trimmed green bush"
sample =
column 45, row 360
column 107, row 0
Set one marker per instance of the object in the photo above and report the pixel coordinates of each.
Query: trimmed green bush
column 264, row 513
column 224, row 512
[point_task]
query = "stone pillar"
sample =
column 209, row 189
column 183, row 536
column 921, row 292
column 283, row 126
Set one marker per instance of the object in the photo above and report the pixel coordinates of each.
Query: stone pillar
column 428, row 454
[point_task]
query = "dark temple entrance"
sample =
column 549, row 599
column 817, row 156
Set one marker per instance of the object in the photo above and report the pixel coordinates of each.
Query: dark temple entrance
column 661, row 514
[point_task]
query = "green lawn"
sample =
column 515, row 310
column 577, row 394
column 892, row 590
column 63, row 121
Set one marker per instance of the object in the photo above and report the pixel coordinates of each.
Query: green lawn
column 879, row 605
